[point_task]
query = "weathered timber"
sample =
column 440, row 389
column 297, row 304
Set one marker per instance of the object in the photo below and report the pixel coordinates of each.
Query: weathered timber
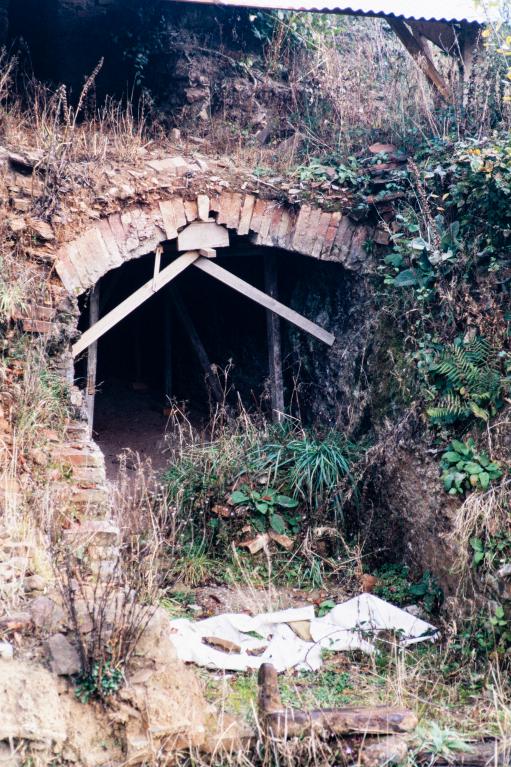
column 167, row 347
column 419, row 51
column 213, row 269
column 282, row 722
column 197, row 345
column 135, row 300
column 291, row 722
column 92, row 358
column 489, row 753
column 269, row 696
column 274, row 341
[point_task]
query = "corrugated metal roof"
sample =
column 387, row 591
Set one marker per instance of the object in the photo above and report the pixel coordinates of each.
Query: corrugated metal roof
column 428, row 10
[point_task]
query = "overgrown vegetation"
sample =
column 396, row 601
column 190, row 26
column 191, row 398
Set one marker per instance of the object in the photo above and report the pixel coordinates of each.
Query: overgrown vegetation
column 250, row 477
column 442, row 283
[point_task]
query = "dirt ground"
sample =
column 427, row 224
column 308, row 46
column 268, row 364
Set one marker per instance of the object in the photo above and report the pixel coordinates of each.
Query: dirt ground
column 127, row 418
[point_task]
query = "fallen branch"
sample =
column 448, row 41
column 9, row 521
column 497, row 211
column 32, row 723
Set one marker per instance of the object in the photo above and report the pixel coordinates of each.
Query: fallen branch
column 482, row 754
column 281, row 722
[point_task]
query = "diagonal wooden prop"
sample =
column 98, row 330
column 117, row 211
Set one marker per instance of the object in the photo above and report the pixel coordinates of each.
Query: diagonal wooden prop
column 160, row 279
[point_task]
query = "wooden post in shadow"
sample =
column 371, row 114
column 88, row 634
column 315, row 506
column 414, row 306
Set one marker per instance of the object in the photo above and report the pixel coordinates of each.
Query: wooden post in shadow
column 92, row 358
column 198, row 346
column 274, row 341
column 167, row 349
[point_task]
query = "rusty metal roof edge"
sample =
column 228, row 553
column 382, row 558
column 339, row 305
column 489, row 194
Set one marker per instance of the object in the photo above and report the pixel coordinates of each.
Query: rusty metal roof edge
column 450, row 11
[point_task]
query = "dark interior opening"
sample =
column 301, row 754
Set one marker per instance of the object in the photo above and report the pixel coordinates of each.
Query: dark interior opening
column 148, row 359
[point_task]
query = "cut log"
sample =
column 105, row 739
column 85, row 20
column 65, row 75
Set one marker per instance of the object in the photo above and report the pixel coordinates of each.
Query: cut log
column 291, row 722
column 488, row 753
column 269, row 695
column 282, row 722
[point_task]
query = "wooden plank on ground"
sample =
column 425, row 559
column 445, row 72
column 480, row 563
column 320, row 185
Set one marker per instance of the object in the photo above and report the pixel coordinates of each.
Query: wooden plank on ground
column 236, row 283
column 136, row 299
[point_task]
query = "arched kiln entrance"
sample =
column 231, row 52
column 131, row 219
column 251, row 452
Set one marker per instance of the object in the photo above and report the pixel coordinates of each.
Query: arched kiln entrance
column 160, row 325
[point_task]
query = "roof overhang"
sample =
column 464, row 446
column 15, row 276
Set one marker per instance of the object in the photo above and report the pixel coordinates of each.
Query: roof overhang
column 451, row 11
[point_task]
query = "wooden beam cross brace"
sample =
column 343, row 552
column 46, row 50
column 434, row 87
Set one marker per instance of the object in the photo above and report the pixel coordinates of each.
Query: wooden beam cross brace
column 248, row 290
column 134, row 301
column 422, row 56
column 160, row 279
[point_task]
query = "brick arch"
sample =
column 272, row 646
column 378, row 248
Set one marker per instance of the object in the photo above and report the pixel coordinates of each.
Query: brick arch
column 137, row 230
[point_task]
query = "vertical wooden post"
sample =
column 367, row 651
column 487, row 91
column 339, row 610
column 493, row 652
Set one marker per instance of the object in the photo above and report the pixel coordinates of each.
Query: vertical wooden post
column 274, row 341
column 92, row 357
column 167, row 351
column 198, row 346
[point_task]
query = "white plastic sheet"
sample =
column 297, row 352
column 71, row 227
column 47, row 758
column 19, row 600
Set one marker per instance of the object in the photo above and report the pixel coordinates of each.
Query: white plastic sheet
column 268, row 637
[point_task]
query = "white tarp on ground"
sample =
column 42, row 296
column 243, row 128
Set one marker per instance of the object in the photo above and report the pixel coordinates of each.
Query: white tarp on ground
column 270, row 638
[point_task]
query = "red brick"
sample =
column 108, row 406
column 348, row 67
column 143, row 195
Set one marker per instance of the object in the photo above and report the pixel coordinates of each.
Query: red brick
column 37, row 326
column 246, row 214
column 300, row 233
column 259, row 208
column 191, row 211
column 341, row 245
column 330, row 235
column 321, row 231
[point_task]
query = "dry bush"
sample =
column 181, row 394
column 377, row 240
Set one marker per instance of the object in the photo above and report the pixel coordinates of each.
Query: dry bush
column 108, row 613
column 480, row 514
column 150, row 528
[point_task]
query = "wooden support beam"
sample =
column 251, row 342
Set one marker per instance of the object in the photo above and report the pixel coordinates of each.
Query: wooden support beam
column 135, row 300
column 167, row 346
column 236, row 283
column 92, row 358
column 274, row 341
column 198, row 346
column 291, row 722
column 422, row 57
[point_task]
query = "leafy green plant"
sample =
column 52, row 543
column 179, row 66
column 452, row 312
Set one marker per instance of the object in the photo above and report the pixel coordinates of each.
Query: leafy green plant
column 264, row 507
column 501, row 624
column 440, row 741
column 101, row 683
column 464, row 468
column 317, row 170
column 393, row 583
column 492, row 552
column 467, row 380
column 428, row 592
column 313, row 468
column 395, row 586
column 325, row 607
